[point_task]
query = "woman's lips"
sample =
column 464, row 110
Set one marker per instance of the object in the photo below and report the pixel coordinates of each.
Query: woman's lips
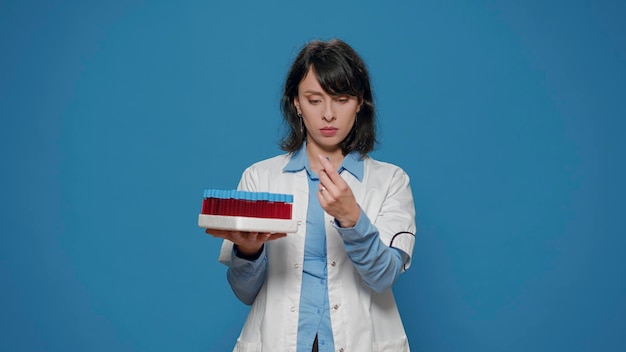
column 328, row 131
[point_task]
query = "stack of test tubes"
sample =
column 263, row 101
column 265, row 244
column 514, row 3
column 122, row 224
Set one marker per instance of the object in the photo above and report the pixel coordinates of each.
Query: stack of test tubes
column 247, row 204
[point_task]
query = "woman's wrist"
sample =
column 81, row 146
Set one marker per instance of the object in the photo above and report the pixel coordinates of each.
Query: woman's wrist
column 351, row 220
column 346, row 224
column 249, row 253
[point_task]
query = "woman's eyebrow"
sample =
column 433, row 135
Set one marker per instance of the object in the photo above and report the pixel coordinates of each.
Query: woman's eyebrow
column 311, row 91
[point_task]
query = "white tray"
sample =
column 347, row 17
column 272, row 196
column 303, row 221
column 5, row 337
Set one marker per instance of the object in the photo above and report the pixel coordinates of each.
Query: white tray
column 241, row 223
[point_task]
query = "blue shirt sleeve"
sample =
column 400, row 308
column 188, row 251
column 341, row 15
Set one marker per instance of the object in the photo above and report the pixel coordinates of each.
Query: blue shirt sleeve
column 378, row 264
column 247, row 276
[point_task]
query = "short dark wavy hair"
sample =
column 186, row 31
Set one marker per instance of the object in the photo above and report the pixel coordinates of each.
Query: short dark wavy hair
column 339, row 70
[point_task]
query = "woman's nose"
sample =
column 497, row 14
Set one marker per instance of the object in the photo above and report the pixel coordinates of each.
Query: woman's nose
column 329, row 114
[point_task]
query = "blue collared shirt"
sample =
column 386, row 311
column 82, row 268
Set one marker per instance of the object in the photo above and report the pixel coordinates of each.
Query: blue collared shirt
column 379, row 265
column 314, row 317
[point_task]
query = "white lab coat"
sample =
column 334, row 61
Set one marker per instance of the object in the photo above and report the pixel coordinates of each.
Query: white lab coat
column 362, row 320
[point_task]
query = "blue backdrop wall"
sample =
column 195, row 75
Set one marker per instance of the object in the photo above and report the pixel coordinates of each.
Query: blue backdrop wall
column 507, row 115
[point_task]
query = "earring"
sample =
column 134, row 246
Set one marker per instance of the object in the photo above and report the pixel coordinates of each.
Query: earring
column 301, row 121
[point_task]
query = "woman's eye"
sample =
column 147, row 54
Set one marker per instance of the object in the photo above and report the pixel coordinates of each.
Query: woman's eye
column 342, row 99
column 314, row 101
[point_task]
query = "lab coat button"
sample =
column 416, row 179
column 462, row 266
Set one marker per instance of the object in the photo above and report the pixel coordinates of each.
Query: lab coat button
column 293, row 309
column 341, row 349
column 336, row 306
column 333, row 263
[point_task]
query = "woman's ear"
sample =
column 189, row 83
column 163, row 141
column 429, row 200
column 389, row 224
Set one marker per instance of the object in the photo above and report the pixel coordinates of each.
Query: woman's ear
column 358, row 108
column 296, row 103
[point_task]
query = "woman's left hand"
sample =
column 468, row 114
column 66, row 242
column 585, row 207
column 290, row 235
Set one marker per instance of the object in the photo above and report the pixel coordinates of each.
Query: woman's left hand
column 335, row 196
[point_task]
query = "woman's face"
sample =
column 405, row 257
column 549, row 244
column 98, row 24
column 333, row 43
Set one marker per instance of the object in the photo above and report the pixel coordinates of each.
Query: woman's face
column 327, row 119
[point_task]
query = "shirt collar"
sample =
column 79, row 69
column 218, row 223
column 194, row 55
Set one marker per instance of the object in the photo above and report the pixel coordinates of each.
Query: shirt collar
column 353, row 163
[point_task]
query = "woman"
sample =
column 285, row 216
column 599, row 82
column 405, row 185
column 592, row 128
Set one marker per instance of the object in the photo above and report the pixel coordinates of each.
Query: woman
column 328, row 286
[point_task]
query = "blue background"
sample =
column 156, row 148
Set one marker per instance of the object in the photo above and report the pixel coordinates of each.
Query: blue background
column 507, row 115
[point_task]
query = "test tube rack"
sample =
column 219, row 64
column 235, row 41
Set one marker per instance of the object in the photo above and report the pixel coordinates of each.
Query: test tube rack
column 247, row 211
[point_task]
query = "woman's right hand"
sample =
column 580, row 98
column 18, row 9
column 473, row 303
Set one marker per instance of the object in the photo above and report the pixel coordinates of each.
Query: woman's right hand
column 248, row 243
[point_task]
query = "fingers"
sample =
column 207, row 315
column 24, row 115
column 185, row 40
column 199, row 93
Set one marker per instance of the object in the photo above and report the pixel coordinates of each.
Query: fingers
column 326, row 184
column 329, row 170
column 218, row 233
column 330, row 188
column 245, row 238
column 275, row 236
column 326, row 164
column 335, row 195
column 332, row 185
